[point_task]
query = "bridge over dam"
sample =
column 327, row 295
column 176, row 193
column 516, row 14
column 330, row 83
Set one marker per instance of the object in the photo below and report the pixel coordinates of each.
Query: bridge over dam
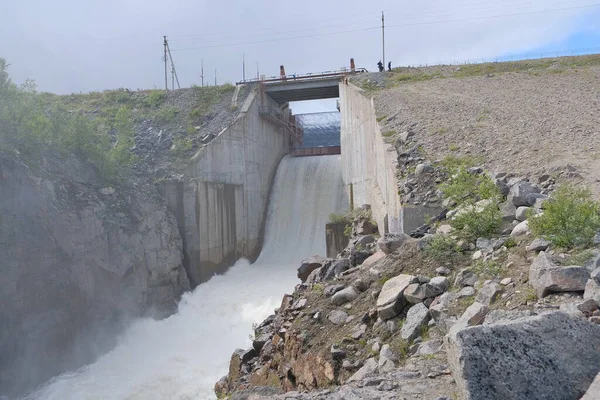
column 221, row 204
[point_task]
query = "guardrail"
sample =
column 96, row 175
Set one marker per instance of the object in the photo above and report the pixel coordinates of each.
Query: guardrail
column 304, row 77
column 316, row 151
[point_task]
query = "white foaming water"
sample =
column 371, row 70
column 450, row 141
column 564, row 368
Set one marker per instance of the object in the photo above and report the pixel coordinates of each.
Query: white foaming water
column 182, row 357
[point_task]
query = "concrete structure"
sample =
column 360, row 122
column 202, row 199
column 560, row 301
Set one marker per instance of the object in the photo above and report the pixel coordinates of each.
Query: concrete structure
column 368, row 163
column 335, row 239
column 290, row 90
column 221, row 204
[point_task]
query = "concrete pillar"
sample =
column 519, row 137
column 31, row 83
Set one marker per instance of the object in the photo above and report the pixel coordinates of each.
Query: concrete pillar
column 335, row 239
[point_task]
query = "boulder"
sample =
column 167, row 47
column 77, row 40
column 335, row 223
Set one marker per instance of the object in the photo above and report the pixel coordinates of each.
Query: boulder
column 368, row 368
column 521, row 229
column 495, row 316
column 336, row 268
column 309, row 265
column 423, row 169
column 539, row 245
column 337, row 317
column 387, row 360
column 572, row 309
column 443, row 271
column 365, row 240
column 518, row 193
column 332, row 289
column 391, row 242
column 416, row 318
column 373, row 258
column 593, row 392
column 391, row 298
column 473, row 315
column 364, row 227
column 465, row 277
column 416, row 293
column 546, row 277
column 439, row 284
column 592, row 291
column 522, row 213
column 552, row 356
column 508, row 211
column 488, row 293
column 344, row 296
column 535, row 200
column 503, row 187
column 430, row 347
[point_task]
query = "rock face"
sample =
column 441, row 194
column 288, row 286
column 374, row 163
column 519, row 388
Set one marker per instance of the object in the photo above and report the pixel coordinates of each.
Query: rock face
column 391, row 299
column 75, row 260
column 552, row 356
column 547, row 277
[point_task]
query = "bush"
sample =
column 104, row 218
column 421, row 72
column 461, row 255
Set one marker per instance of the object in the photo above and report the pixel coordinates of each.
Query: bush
column 571, row 218
column 441, row 248
column 337, row 218
column 466, row 188
column 155, row 98
column 478, row 221
column 487, row 269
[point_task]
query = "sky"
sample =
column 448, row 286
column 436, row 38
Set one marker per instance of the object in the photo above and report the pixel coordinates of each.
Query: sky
column 80, row 46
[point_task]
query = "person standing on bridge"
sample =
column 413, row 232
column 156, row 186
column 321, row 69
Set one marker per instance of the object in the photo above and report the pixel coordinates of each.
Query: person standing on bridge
column 390, row 66
column 380, row 66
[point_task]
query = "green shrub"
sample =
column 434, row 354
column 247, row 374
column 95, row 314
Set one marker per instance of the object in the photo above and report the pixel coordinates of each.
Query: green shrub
column 441, row 248
column 337, row 218
column 487, row 269
column 477, row 221
column 571, row 218
column 165, row 114
column 155, row 98
column 466, row 188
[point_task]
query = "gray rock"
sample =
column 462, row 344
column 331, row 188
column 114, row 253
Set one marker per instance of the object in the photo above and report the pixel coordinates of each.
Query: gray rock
column 546, row 277
column 539, row 245
column 308, row 265
column 423, row 169
column 465, row 277
column 521, row 229
column 503, row 187
column 597, row 239
column 392, row 326
column 483, row 244
column 416, row 318
column 430, row 347
column 442, row 319
column 332, row 289
column 416, row 293
column 336, row 268
column 594, row 262
column 368, row 368
column 337, row 353
column 508, row 211
column 365, row 240
column 467, row 291
column 473, row 315
column 439, row 284
column 391, row 242
column 593, row 392
column 572, row 309
column 518, row 193
column 535, row 198
column 592, row 291
column 522, row 213
column 488, row 293
column 360, row 285
column 344, row 296
column 587, row 306
column 337, row 317
column 505, row 315
column 552, row 356
column 391, row 299
column 359, row 332
column 387, row 360
column 443, row 271
column 595, row 275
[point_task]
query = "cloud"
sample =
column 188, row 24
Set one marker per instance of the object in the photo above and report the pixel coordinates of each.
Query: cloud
column 72, row 46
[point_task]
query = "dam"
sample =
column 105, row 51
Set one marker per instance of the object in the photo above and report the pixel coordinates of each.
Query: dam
column 253, row 204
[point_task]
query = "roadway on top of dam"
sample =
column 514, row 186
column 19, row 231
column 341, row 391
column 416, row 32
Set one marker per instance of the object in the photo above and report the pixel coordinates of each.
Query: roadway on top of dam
column 288, row 88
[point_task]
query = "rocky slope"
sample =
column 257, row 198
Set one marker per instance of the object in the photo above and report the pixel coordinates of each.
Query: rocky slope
column 483, row 301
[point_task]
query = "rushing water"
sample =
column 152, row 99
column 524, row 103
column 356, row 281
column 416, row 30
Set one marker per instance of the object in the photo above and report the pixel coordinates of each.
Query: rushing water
column 182, row 357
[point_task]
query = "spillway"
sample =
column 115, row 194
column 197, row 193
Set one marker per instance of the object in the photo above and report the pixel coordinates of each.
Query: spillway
column 181, row 357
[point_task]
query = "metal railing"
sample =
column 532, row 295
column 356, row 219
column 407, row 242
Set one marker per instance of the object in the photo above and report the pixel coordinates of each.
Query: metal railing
column 275, row 116
column 304, row 77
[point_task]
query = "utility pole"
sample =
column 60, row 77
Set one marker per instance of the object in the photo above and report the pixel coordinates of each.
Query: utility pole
column 215, row 77
column 257, row 72
column 383, row 37
column 244, row 66
column 165, row 59
column 173, row 72
column 202, row 76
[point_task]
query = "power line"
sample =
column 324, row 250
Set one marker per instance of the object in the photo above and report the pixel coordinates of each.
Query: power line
column 389, row 26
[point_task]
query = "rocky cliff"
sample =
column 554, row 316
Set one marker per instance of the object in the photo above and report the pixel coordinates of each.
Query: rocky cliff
column 78, row 260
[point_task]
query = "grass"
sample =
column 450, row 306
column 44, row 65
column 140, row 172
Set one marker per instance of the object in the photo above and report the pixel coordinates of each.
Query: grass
column 388, row 133
column 442, row 248
column 488, row 269
column 338, row 218
column 570, row 219
column 581, row 257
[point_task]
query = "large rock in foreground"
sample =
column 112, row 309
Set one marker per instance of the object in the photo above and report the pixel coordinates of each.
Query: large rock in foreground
column 546, row 277
column 391, row 299
column 552, row 356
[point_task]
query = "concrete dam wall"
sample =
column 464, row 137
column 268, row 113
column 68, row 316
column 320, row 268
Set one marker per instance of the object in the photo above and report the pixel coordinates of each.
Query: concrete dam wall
column 368, row 163
column 221, row 204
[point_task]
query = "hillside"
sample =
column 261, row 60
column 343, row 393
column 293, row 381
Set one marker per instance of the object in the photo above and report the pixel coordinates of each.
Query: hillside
column 528, row 117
